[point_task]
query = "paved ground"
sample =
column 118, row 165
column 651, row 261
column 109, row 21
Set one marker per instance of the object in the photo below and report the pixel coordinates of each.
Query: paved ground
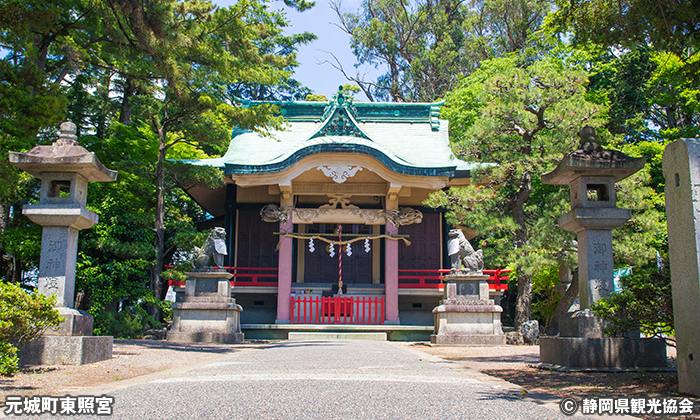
column 319, row 380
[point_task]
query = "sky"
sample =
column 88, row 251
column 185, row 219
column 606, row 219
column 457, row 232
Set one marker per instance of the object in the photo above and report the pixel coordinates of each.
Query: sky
column 321, row 20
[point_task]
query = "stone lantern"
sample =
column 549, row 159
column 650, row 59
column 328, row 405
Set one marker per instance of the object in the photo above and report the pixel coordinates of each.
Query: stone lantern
column 65, row 168
column 591, row 173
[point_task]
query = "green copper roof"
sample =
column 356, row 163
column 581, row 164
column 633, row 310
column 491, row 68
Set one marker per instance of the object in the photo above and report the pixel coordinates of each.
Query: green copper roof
column 408, row 138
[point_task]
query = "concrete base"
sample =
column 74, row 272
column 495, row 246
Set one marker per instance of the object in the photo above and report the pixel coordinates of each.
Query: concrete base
column 207, row 313
column 372, row 336
column 66, row 350
column 473, row 322
column 77, row 323
column 468, row 340
column 603, row 352
column 205, row 337
column 582, row 323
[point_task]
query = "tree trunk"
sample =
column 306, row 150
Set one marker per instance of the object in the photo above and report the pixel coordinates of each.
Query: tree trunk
column 564, row 304
column 159, row 226
column 125, row 111
column 524, row 296
column 523, row 300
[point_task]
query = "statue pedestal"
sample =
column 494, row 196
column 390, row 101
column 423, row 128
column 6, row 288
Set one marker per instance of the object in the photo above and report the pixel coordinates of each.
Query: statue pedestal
column 466, row 316
column 207, row 313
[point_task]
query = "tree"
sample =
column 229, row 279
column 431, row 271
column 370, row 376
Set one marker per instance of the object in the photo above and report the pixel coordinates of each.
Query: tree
column 145, row 81
column 666, row 26
column 651, row 58
column 523, row 115
column 425, row 45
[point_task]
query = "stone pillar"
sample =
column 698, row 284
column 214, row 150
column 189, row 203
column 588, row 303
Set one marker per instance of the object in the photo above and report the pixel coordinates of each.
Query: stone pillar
column 57, row 264
column 595, row 254
column 391, row 276
column 681, row 166
column 284, row 283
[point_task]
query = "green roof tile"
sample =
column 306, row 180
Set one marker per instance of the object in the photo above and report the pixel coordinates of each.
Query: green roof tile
column 408, row 138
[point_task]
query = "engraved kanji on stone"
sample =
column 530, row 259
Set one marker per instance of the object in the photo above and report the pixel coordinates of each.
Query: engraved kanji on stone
column 599, row 248
column 600, row 266
column 53, row 264
column 54, row 246
column 52, row 283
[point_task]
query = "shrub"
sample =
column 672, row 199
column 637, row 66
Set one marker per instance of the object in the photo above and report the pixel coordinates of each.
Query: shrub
column 23, row 317
column 644, row 304
column 129, row 322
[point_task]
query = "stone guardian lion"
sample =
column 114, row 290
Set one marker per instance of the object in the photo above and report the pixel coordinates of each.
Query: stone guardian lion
column 463, row 258
column 214, row 247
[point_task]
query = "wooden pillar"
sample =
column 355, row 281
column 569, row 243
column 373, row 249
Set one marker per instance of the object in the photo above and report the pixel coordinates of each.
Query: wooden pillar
column 301, row 256
column 391, row 265
column 230, row 224
column 376, row 256
column 284, row 283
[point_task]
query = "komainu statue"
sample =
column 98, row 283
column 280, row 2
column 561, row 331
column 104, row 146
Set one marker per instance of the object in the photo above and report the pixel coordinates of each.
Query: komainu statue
column 215, row 247
column 463, row 258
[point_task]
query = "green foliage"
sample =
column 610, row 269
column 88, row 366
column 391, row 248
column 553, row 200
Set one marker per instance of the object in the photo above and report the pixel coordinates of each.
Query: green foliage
column 132, row 320
column 9, row 360
column 23, row 317
column 144, row 82
column 646, row 60
column 644, row 304
column 544, row 299
column 425, row 47
column 523, row 113
column 668, row 26
column 129, row 323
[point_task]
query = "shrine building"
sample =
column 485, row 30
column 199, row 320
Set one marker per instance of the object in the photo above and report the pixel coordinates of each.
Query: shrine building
column 337, row 195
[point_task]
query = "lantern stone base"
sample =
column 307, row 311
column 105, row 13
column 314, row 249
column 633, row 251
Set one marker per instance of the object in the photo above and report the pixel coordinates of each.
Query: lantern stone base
column 66, row 350
column 207, row 313
column 582, row 323
column 76, row 323
column 603, row 352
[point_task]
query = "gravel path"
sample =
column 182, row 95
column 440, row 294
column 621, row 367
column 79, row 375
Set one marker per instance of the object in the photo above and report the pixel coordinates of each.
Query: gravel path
column 319, row 380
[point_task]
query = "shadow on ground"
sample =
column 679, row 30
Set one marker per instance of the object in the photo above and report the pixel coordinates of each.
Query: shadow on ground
column 177, row 346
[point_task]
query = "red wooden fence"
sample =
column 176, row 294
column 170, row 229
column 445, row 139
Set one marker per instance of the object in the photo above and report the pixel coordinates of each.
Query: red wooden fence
column 408, row 279
column 432, row 279
column 337, row 310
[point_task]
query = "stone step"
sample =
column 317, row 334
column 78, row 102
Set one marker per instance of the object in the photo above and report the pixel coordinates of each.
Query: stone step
column 303, row 335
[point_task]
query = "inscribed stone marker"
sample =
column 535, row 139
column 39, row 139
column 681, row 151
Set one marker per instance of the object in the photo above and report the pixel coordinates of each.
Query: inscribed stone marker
column 681, row 166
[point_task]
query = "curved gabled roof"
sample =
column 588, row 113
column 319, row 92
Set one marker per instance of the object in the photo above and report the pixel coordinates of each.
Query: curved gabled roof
column 407, row 138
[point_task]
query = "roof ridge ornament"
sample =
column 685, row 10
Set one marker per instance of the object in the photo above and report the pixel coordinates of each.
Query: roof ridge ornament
column 341, row 100
column 340, row 118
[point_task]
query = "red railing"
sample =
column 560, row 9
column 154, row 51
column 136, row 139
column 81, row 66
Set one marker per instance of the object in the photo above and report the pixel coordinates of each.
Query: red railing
column 495, row 278
column 337, row 310
column 432, row 279
column 247, row 276
column 269, row 279
column 413, row 279
column 421, row 279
